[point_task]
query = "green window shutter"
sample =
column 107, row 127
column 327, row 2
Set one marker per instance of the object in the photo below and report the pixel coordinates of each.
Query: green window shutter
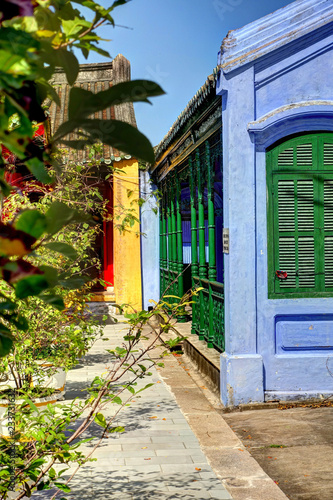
column 328, row 154
column 328, row 233
column 300, row 216
column 294, row 233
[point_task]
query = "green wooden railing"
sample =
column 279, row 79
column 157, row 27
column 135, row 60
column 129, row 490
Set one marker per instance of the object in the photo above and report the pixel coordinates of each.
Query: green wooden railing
column 208, row 321
column 208, row 306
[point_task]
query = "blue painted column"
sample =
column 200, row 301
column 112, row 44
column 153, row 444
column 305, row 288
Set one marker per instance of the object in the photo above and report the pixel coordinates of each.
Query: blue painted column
column 241, row 366
column 149, row 242
column 163, row 246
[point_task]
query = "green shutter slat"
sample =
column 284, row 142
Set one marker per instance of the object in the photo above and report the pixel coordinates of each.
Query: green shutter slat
column 328, row 154
column 296, row 215
column 286, row 205
column 286, row 158
column 305, row 208
column 328, row 205
column 329, row 261
column 287, row 261
column 306, row 262
column 328, row 227
column 304, row 155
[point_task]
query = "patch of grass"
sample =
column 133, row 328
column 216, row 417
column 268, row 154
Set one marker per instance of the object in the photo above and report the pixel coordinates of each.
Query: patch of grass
column 277, row 446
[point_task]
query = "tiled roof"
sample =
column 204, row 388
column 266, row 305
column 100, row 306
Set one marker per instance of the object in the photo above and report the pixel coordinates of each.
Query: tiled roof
column 94, row 77
column 300, row 18
column 207, row 89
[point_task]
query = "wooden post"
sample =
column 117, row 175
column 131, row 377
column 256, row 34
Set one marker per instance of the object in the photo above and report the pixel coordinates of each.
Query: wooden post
column 201, row 230
column 181, row 316
column 194, row 243
column 211, row 243
column 201, row 218
column 174, row 267
column 169, row 244
column 211, row 217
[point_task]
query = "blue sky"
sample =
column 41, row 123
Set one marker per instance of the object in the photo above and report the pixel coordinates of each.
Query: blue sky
column 175, row 43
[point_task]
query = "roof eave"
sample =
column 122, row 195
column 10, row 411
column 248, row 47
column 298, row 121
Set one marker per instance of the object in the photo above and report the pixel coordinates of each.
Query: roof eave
column 247, row 44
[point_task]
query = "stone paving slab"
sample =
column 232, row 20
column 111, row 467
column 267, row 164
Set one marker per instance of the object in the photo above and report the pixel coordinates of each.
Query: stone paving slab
column 157, row 457
column 226, row 454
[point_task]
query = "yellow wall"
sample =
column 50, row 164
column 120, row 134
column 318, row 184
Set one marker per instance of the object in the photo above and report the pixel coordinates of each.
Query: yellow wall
column 127, row 258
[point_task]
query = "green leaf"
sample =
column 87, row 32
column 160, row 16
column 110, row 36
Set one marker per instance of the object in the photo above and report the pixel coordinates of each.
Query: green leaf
column 63, row 487
column 85, row 52
column 86, row 46
column 38, row 462
column 52, row 473
column 115, row 133
column 32, row 222
column 20, row 322
column 27, row 489
column 62, row 471
column 73, row 26
column 116, row 3
column 53, row 300
column 100, row 420
column 38, row 169
column 64, row 129
column 46, row 90
column 63, row 249
column 144, row 388
column 83, row 103
column 43, row 485
column 117, row 429
column 7, row 305
column 6, row 341
column 117, row 400
column 31, row 286
column 50, row 274
column 5, row 188
column 16, row 42
column 69, row 63
column 98, row 9
column 59, row 215
column 32, row 474
column 31, row 404
column 73, row 283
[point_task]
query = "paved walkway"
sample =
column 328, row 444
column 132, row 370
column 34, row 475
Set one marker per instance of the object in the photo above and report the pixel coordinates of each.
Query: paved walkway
column 157, row 457
column 293, row 445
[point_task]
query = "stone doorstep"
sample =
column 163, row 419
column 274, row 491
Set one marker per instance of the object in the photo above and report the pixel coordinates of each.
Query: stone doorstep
column 107, row 296
column 103, row 304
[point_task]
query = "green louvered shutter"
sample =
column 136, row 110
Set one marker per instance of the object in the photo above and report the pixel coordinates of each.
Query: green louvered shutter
column 326, row 147
column 328, row 233
column 294, row 235
column 300, row 217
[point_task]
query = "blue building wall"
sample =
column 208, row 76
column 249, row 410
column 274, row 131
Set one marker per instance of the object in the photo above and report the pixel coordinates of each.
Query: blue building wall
column 271, row 89
column 149, row 217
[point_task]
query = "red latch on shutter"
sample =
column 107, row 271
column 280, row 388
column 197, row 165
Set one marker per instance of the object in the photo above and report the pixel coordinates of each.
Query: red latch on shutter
column 281, row 275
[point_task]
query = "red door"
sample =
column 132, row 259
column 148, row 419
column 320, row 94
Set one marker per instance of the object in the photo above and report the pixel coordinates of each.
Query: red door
column 108, row 275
